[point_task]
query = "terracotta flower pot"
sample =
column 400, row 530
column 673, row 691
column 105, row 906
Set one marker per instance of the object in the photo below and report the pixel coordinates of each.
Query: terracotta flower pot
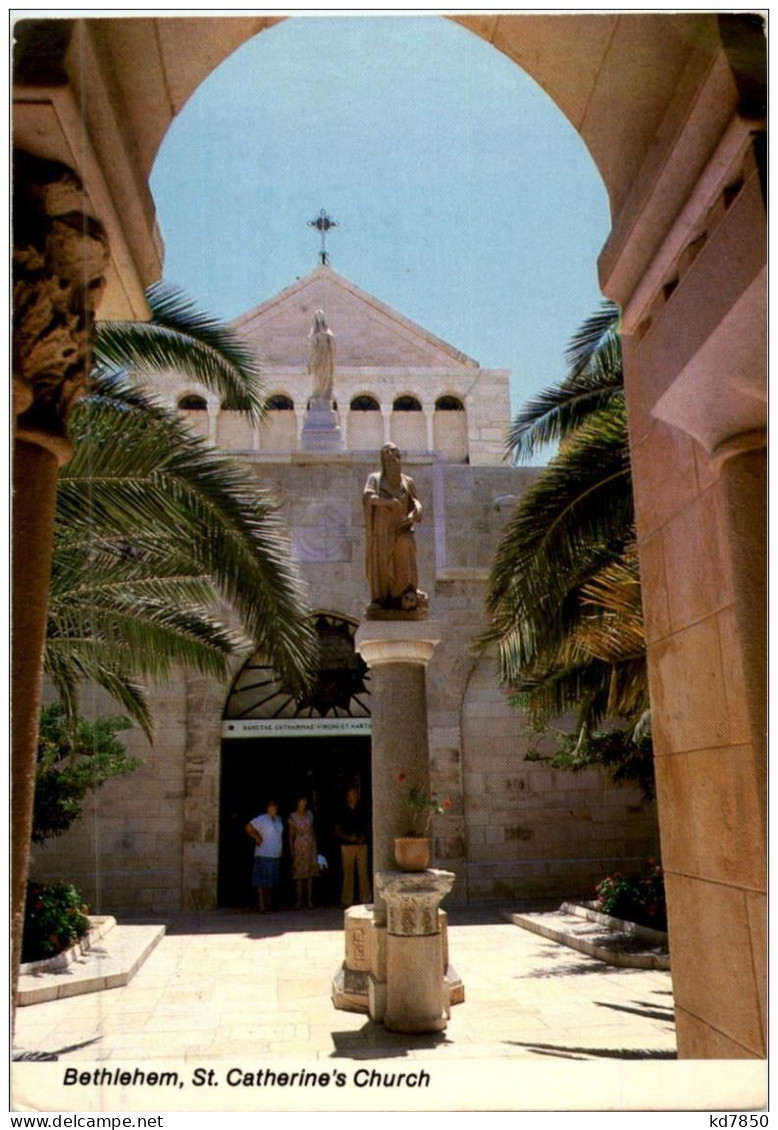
column 412, row 853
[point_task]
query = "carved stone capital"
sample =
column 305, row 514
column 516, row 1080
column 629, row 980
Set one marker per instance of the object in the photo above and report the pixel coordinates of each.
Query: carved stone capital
column 412, row 900
column 60, row 255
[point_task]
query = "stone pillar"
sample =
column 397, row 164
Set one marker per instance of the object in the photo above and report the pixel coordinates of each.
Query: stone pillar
column 60, row 254
column 428, row 407
column 397, row 652
column 415, row 992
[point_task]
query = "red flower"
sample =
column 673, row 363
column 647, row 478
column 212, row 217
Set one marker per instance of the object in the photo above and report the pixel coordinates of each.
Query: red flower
column 447, row 803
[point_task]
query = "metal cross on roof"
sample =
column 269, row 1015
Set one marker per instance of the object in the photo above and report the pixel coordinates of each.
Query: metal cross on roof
column 323, row 223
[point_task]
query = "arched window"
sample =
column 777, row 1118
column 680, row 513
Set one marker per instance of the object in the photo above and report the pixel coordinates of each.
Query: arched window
column 280, row 403
column 406, row 404
column 449, row 404
column 364, row 404
column 192, row 404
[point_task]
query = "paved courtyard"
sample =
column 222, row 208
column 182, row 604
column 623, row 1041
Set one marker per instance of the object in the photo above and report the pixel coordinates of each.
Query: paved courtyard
column 225, row 985
column 239, row 989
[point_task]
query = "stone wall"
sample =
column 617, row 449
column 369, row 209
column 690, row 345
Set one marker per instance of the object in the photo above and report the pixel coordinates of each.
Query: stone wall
column 516, row 829
column 125, row 852
column 532, row 831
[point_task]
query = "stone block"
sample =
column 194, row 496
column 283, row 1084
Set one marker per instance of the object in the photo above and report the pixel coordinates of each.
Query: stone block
column 720, row 836
column 687, row 677
column 694, row 560
column 756, row 905
column 664, row 476
column 344, row 1000
column 358, row 924
column 376, row 999
column 708, row 924
column 737, row 701
column 698, row 1040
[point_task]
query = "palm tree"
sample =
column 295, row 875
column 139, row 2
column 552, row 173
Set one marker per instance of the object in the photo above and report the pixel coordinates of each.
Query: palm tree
column 564, row 592
column 155, row 529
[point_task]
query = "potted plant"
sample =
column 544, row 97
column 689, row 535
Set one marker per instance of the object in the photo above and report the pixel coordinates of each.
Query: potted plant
column 412, row 851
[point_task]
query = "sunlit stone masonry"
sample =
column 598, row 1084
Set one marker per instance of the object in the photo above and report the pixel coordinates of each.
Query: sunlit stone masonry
column 516, row 828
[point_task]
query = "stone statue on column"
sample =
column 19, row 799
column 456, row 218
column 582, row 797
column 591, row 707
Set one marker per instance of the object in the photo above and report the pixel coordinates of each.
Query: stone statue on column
column 392, row 508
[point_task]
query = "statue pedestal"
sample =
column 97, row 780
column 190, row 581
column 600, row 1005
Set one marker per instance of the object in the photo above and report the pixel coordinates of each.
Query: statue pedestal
column 415, row 992
column 361, row 984
column 321, row 430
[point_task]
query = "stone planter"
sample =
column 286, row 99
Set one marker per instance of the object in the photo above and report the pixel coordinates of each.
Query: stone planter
column 412, row 853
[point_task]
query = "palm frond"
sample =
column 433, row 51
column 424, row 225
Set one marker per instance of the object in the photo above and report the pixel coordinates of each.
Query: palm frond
column 68, row 668
column 575, row 518
column 595, row 378
column 598, row 331
column 181, row 337
column 129, row 474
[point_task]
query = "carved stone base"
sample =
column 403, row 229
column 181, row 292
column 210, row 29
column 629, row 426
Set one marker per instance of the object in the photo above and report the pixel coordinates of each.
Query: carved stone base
column 377, row 984
column 321, row 430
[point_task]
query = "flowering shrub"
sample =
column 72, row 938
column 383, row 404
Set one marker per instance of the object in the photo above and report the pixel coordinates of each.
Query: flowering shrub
column 55, row 917
column 636, row 898
column 421, row 805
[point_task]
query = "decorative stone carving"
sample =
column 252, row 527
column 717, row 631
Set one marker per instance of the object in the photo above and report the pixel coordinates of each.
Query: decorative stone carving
column 392, row 509
column 60, row 255
column 412, row 900
column 417, row 998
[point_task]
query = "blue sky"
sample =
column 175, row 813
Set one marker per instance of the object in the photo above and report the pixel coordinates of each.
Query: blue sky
column 463, row 197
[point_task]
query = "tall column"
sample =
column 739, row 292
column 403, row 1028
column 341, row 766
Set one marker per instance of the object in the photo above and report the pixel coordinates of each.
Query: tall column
column 397, row 653
column 60, row 255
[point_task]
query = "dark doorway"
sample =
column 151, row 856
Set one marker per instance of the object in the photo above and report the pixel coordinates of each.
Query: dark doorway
column 255, row 769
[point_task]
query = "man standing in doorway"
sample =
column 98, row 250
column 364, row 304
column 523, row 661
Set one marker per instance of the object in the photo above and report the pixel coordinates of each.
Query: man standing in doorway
column 267, row 832
column 351, row 831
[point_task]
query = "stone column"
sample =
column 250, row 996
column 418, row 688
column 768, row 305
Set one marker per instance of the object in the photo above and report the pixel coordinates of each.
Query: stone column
column 428, row 407
column 397, row 652
column 60, row 254
column 415, row 993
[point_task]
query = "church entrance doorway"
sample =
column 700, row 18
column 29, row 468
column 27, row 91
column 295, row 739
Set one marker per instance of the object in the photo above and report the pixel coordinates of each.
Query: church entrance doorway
column 278, row 746
column 254, row 771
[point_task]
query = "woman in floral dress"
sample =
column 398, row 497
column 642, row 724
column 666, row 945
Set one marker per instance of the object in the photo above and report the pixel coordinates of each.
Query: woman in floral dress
column 302, row 842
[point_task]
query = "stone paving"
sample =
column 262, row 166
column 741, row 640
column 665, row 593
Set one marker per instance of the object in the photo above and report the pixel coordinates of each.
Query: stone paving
column 229, row 985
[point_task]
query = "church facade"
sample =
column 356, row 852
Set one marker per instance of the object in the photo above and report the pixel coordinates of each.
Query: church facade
column 170, row 837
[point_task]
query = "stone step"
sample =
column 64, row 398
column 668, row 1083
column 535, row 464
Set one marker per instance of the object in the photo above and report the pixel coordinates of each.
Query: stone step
column 112, row 960
column 608, row 939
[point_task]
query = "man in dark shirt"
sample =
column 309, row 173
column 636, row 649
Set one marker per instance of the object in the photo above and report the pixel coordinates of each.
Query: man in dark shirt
column 351, row 832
